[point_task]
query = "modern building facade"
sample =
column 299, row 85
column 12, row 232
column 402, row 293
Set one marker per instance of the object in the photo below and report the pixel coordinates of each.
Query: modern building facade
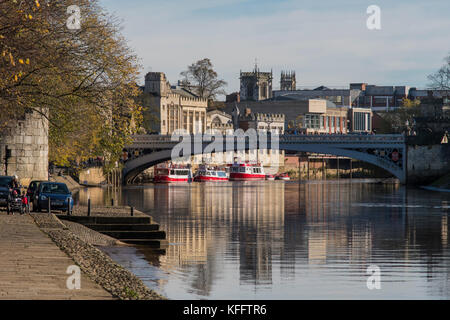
column 313, row 116
column 360, row 120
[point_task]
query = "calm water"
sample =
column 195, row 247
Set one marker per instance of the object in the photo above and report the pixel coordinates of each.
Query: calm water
column 289, row 240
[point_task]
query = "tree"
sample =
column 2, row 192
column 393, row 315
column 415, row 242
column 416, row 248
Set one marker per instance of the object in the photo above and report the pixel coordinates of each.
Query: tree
column 201, row 78
column 441, row 79
column 82, row 80
column 402, row 119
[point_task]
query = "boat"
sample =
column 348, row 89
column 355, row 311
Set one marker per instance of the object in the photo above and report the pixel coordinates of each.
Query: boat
column 172, row 173
column 246, row 172
column 283, row 176
column 270, row 177
column 210, row 174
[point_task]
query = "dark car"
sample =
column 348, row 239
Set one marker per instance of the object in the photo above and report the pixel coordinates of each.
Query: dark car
column 5, row 182
column 58, row 193
column 32, row 188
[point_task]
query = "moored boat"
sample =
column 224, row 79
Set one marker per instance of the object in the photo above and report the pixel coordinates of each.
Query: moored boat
column 283, row 176
column 172, row 173
column 210, row 174
column 247, row 172
column 270, row 177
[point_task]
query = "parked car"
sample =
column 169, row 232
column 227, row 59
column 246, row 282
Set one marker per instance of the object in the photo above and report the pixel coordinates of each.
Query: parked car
column 4, row 190
column 32, row 188
column 58, row 193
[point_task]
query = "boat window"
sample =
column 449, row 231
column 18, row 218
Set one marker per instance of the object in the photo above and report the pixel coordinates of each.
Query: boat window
column 242, row 169
column 172, row 171
column 221, row 174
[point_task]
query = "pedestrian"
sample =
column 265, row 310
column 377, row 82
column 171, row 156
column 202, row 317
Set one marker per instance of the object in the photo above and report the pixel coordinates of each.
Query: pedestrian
column 25, row 205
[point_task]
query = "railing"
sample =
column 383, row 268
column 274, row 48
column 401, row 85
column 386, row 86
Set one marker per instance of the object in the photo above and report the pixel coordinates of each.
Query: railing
column 325, row 138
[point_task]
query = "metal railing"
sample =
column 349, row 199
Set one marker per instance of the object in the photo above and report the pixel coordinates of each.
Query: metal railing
column 155, row 141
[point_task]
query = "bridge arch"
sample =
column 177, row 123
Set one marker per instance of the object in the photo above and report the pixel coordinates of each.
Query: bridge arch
column 135, row 166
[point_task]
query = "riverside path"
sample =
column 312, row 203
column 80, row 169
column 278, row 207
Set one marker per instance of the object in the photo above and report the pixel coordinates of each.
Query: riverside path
column 33, row 267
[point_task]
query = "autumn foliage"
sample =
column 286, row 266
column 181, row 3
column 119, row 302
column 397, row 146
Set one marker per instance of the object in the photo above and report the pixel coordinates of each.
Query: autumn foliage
column 83, row 80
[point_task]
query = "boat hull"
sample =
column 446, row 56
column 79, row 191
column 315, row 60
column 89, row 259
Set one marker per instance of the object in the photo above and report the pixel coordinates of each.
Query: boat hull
column 246, row 177
column 205, row 179
column 169, row 179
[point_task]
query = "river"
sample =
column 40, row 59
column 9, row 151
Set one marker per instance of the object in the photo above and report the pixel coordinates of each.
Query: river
column 290, row 240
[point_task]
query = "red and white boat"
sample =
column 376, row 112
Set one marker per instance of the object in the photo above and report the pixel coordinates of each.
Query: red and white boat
column 210, row 174
column 247, row 172
column 283, row 176
column 172, row 173
column 270, row 177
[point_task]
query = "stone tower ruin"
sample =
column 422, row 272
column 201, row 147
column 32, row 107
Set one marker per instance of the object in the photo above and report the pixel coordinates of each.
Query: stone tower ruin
column 24, row 147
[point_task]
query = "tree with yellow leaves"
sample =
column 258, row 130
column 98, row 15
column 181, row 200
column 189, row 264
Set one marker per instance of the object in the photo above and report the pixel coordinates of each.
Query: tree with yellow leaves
column 82, row 80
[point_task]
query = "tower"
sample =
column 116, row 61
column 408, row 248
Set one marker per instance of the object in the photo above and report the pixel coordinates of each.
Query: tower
column 256, row 85
column 157, row 84
column 287, row 81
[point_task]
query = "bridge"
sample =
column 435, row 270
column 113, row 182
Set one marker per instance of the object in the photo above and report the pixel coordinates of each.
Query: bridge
column 385, row 151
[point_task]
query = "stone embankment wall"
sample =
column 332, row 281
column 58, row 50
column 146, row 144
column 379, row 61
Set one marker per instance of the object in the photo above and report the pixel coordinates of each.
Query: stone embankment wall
column 427, row 163
column 27, row 138
column 92, row 176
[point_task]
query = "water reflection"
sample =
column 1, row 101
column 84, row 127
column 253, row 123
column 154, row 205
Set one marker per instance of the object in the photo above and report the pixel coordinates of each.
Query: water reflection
column 276, row 240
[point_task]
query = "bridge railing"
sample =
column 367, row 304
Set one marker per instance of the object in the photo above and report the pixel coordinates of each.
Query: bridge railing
column 155, row 140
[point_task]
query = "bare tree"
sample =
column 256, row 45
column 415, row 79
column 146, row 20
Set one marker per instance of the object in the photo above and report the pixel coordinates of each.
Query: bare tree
column 201, row 78
column 441, row 79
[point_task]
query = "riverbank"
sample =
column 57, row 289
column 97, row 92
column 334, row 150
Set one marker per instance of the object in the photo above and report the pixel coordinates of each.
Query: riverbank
column 37, row 249
column 33, row 267
column 440, row 185
column 115, row 279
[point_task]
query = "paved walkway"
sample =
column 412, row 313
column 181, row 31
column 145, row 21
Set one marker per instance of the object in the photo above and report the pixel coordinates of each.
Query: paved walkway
column 33, row 267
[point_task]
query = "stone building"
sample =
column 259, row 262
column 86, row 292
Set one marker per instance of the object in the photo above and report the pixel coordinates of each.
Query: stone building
column 219, row 120
column 256, row 85
column 27, row 140
column 178, row 107
column 305, row 116
column 287, row 81
column 273, row 122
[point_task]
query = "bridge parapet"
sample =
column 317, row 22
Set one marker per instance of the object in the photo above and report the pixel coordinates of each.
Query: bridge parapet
column 162, row 141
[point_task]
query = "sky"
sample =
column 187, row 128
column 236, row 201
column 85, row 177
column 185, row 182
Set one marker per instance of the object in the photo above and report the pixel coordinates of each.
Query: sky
column 326, row 42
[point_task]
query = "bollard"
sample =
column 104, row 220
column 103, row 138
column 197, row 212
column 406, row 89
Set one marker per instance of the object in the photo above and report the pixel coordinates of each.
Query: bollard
column 132, row 211
column 89, row 208
column 49, row 205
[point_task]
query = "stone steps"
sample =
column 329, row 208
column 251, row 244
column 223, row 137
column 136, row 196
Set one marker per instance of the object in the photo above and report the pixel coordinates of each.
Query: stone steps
column 133, row 230
column 106, row 220
column 138, row 235
column 123, row 227
column 154, row 244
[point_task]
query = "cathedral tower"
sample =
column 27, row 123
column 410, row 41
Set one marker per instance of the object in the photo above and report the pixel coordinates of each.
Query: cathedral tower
column 287, row 81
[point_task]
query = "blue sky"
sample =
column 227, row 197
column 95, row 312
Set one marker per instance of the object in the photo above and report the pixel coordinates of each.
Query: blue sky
column 326, row 42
